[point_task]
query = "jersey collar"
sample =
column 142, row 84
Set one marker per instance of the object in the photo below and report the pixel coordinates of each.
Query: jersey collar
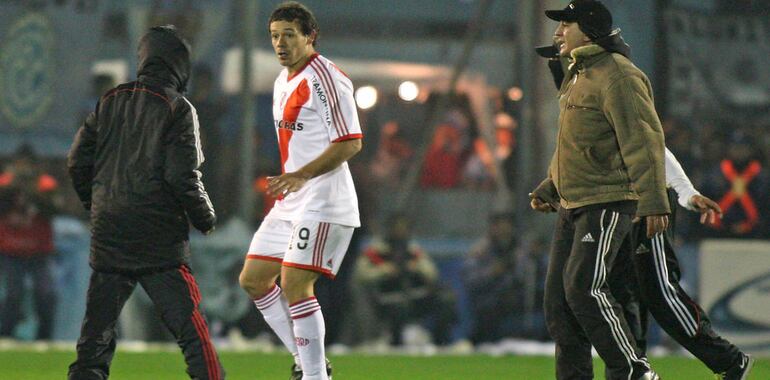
column 292, row 76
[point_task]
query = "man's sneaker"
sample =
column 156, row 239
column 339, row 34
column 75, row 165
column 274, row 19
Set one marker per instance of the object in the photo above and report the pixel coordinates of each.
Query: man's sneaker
column 650, row 375
column 296, row 372
column 739, row 371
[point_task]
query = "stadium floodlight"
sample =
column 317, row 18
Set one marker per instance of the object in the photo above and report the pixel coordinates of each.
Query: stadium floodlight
column 515, row 93
column 408, row 91
column 366, row 97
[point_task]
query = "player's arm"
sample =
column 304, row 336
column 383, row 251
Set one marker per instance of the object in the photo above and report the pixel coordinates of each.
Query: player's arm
column 544, row 198
column 184, row 156
column 81, row 157
column 330, row 159
column 688, row 197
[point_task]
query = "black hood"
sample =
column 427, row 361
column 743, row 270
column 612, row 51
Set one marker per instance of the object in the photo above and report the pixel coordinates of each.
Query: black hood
column 164, row 58
column 614, row 43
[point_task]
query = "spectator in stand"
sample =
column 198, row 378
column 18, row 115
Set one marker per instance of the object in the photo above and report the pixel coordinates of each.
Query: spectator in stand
column 444, row 159
column 502, row 282
column 739, row 184
column 392, row 156
column 446, row 155
column 443, row 162
column 403, row 284
column 27, row 205
column 480, row 171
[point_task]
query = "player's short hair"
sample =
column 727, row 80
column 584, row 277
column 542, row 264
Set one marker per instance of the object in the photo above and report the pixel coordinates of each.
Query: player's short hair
column 293, row 11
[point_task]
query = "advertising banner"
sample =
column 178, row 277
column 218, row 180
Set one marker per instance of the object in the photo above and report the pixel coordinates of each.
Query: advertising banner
column 735, row 291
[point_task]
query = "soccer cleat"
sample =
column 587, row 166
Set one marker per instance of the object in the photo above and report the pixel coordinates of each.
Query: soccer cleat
column 650, row 375
column 739, row 371
column 296, row 372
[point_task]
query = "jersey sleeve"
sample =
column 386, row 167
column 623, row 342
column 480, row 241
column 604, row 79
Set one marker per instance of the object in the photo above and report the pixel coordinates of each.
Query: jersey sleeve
column 337, row 106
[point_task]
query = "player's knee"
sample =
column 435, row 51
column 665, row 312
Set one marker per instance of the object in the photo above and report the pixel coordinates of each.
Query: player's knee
column 577, row 295
column 296, row 289
column 255, row 286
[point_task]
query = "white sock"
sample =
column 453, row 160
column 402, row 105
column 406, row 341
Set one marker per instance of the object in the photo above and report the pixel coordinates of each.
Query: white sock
column 309, row 330
column 275, row 310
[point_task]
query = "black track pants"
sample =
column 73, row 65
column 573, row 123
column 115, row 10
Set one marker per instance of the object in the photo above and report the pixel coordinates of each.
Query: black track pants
column 658, row 275
column 580, row 311
column 175, row 295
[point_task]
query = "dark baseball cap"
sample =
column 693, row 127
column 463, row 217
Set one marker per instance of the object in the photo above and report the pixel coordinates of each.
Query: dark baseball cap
column 593, row 18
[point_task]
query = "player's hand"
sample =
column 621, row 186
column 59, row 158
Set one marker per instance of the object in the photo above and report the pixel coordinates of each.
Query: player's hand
column 656, row 224
column 538, row 204
column 708, row 209
column 286, row 183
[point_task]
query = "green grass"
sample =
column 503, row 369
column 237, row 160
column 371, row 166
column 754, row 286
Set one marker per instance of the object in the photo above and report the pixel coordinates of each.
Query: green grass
column 47, row 365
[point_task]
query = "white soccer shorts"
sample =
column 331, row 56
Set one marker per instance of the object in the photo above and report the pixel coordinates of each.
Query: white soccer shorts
column 312, row 245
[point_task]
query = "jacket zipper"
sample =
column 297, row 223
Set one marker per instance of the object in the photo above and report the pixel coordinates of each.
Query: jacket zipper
column 558, row 137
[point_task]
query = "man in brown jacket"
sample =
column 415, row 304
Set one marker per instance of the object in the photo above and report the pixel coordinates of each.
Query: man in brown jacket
column 608, row 168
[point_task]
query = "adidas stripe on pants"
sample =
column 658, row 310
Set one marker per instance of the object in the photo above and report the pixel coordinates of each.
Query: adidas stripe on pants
column 176, row 297
column 580, row 311
column 657, row 272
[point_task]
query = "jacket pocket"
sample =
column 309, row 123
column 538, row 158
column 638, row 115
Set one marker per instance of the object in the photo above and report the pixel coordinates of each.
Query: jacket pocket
column 590, row 157
column 576, row 107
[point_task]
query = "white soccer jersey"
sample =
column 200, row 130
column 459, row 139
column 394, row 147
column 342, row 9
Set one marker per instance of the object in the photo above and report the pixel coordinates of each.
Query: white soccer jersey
column 313, row 109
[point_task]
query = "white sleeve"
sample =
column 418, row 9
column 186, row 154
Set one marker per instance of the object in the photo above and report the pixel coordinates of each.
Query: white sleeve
column 338, row 110
column 678, row 180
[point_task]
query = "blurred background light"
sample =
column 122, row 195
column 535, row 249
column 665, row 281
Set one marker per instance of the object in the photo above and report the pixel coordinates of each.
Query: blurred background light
column 515, row 93
column 408, row 91
column 366, row 97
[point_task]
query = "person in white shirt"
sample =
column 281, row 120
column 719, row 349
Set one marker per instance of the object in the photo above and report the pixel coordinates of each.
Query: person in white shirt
column 308, row 231
column 652, row 276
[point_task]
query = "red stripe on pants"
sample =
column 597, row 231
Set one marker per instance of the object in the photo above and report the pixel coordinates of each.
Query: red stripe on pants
column 209, row 356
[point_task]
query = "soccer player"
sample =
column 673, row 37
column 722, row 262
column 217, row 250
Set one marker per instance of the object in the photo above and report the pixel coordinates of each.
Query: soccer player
column 307, row 232
column 134, row 163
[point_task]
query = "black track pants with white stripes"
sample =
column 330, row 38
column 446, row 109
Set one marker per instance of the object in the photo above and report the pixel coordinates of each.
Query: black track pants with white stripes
column 658, row 274
column 175, row 296
column 580, row 311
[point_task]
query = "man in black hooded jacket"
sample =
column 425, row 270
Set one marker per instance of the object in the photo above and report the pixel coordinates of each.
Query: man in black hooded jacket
column 134, row 164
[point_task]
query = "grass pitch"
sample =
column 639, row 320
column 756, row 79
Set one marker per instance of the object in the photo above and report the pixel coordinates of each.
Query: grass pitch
column 52, row 364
